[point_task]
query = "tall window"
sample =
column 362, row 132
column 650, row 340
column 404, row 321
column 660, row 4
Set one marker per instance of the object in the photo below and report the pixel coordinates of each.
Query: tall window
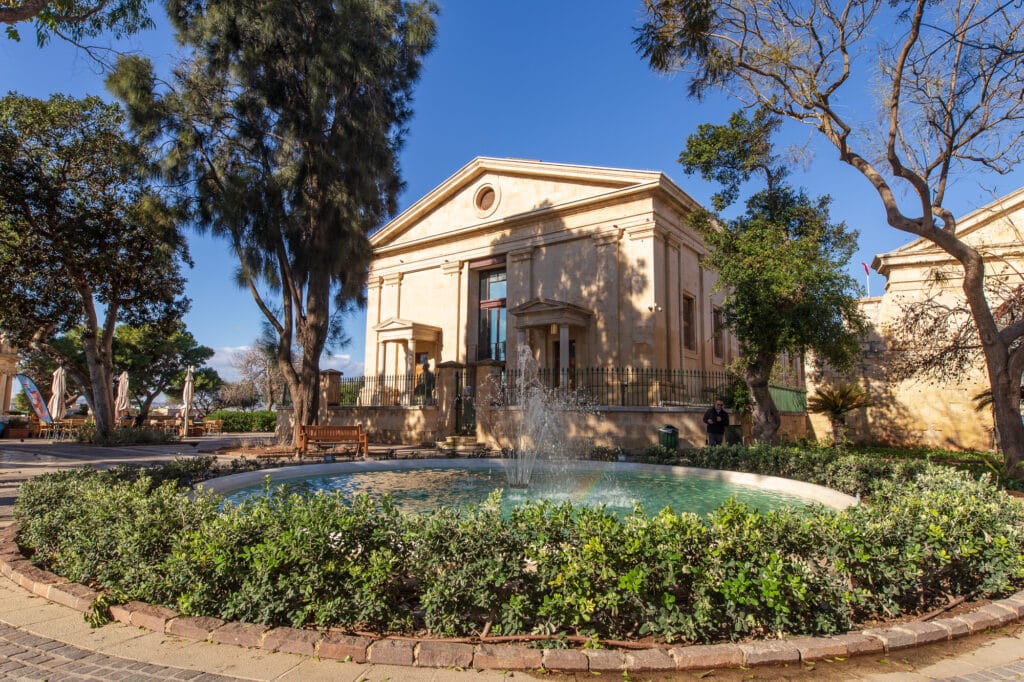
column 493, row 319
column 718, row 332
column 689, row 328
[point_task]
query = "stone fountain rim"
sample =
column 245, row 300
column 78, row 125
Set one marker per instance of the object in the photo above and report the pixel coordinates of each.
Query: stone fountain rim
column 808, row 491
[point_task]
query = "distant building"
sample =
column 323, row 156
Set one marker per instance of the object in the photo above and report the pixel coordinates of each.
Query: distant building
column 919, row 410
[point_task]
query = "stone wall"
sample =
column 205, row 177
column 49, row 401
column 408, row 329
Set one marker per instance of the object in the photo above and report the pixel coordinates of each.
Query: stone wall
column 632, row 429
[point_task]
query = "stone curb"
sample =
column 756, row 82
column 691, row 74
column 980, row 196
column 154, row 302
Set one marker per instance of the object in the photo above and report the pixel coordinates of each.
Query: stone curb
column 490, row 656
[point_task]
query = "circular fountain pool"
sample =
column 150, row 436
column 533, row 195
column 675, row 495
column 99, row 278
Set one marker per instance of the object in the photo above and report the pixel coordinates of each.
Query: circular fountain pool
column 422, row 485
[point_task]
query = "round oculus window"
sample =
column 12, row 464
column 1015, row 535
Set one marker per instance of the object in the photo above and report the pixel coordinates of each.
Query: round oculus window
column 486, row 198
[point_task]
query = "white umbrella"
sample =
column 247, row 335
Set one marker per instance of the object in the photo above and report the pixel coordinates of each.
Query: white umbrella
column 121, row 404
column 186, row 396
column 57, row 409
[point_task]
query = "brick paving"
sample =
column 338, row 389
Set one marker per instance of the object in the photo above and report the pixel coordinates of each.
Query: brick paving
column 25, row 656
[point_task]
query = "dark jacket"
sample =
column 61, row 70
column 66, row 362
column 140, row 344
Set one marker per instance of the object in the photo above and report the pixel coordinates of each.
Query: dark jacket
column 716, row 420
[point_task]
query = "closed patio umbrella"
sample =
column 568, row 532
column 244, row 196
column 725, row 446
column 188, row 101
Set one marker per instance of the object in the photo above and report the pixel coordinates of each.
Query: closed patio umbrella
column 56, row 405
column 186, row 397
column 121, row 404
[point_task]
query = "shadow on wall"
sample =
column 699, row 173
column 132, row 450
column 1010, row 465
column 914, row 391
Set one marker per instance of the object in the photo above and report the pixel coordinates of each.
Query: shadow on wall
column 558, row 262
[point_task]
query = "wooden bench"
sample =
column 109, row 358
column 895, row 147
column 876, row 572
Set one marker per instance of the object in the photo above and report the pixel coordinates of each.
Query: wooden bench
column 321, row 435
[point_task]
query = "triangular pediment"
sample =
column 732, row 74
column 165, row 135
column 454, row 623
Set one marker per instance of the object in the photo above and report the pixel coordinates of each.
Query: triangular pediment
column 999, row 224
column 397, row 329
column 540, row 312
column 489, row 190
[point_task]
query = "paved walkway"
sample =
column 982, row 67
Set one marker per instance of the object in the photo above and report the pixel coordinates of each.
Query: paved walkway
column 40, row 640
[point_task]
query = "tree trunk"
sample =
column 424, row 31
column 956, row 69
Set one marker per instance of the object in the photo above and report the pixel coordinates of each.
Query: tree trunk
column 764, row 415
column 1005, row 386
column 838, row 429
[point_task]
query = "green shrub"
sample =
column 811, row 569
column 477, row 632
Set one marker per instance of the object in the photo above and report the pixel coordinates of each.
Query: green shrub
column 245, row 422
column 124, row 436
column 356, row 563
column 659, row 454
column 94, row 528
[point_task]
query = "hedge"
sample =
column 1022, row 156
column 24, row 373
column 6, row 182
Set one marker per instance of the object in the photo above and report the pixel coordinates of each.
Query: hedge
column 326, row 560
column 245, row 422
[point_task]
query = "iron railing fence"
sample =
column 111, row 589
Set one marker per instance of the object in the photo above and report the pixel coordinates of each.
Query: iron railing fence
column 391, row 390
column 591, row 386
column 625, row 386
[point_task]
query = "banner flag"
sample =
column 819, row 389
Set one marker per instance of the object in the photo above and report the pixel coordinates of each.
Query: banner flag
column 35, row 398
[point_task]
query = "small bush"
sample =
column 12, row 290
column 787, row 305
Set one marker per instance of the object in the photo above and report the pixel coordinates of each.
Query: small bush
column 245, row 422
column 333, row 561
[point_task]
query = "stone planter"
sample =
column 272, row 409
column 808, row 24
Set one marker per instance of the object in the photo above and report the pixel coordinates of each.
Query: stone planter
column 16, row 432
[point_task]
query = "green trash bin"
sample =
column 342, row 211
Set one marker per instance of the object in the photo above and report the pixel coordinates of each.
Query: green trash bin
column 668, row 437
column 734, row 434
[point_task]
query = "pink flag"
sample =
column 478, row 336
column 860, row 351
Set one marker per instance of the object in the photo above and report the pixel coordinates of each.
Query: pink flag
column 866, row 271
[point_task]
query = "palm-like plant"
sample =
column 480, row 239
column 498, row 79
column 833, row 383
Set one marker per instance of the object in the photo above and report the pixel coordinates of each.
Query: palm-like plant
column 835, row 403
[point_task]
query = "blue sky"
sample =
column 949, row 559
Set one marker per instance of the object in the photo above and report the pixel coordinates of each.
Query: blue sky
column 540, row 79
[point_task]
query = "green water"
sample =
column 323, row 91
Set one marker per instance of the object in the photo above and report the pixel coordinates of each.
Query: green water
column 419, row 490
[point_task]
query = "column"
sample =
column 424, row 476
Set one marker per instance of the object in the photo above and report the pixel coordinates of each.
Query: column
column 673, row 301
column 519, row 274
column 391, row 296
column 373, row 296
column 606, row 323
column 454, row 269
column 563, row 354
column 410, row 370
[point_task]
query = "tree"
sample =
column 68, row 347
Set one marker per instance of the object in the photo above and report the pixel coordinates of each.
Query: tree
column 258, row 366
column 950, row 97
column 75, row 19
column 240, row 394
column 290, row 147
column 835, row 403
column 781, row 263
column 207, row 388
column 155, row 358
column 85, row 242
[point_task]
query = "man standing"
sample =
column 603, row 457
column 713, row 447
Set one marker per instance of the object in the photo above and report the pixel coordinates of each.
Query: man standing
column 716, row 419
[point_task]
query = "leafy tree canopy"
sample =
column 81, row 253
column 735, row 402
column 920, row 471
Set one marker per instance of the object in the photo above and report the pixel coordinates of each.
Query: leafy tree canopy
column 943, row 80
column 85, row 241
column 782, row 263
column 285, row 126
column 74, row 19
column 155, row 358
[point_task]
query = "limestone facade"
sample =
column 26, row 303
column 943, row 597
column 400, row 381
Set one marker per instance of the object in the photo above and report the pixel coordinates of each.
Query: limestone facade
column 580, row 266
column 923, row 410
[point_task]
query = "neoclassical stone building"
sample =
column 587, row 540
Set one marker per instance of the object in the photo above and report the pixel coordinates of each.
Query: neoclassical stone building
column 921, row 410
column 578, row 265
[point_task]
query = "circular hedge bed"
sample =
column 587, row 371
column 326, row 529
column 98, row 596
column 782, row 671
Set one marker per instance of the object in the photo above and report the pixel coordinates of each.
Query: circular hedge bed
column 929, row 534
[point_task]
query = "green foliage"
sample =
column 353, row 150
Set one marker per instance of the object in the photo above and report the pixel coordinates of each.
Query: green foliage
column 245, row 422
column 659, row 454
column 327, row 560
column 75, row 19
column 85, row 240
column 782, row 263
column 91, row 527
column 287, row 148
column 123, row 436
column 156, row 360
column 836, row 402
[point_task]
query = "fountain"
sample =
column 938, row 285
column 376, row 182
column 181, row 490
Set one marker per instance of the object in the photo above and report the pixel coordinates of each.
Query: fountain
column 528, row 419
